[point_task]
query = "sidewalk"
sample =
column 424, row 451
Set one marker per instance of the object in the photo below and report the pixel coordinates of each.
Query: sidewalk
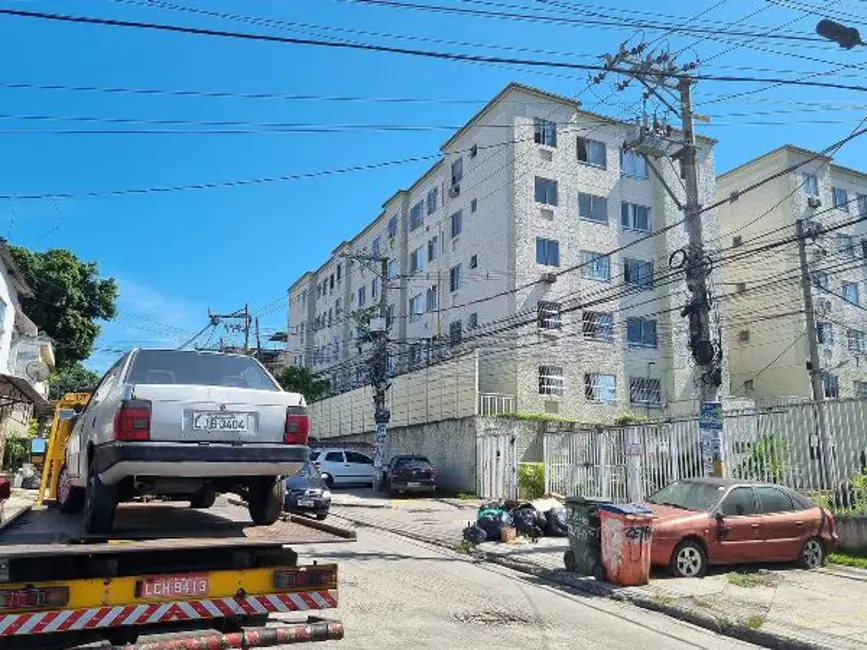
column 777, row 607
column 16, row 505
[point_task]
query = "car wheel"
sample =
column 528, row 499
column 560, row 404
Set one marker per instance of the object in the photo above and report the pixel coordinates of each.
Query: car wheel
column 689, row 560
column 320, row 516
column 70, row 499
column 812, row 554
column 265, row 501
column 100, row 505
column 329, row 480
column 204, row 499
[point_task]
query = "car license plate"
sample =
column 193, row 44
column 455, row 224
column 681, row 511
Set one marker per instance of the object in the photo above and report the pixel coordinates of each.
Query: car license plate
column 171, row 587
column 305, row 503
column 220, row 422
column 413, row 484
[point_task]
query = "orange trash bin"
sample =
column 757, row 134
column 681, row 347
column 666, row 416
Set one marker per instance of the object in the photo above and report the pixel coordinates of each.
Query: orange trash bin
column 626, row 533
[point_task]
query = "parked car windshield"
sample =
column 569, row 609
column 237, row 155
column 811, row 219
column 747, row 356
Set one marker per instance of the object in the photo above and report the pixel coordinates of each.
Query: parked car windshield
column 411, row 463
column 689, row 495
column 198, row 369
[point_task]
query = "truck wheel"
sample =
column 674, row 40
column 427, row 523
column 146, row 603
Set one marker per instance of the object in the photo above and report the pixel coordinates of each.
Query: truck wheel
column 100, row 504
column 265, row 501
column 70, row 499
column 204, row 499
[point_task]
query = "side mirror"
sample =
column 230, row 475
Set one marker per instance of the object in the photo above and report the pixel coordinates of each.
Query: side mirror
column 719, row 518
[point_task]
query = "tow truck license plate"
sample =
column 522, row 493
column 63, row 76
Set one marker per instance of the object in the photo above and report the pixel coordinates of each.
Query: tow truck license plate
column 174, row 586
column 220, row 421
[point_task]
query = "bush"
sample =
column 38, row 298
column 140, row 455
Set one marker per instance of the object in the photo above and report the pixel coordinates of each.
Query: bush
column 531, row 480
column 768, row 460
column 16, row 452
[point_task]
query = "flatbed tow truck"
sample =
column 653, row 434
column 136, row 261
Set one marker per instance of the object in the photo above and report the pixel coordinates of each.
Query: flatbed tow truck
column 168, row 577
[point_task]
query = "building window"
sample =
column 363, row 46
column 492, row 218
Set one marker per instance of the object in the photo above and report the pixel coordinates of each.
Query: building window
column 414, row 355
column 457, row 224
column 862, row 205
column 474, row 205
column 636, row 217
column 392, row 269
column 362, row 296
column 376, row 246
column 416, row 215
column 595, row 265
column 548, row 315
column 474, row 261
column 592, row 152
column 457, row 171
column 645, row 390
column 392, row 226
column 338, row 306
column 389, row 315
column 432, row 251
column 641, row 332
column 638, row 273
column 633, row 164
column 846, row 245
column 593, row 208
column 416, row 260
column 600, row 388
column 850, row 292
column 598, row 325
column 825, row 333
column 861, row 389
column 545, row 132
column 433, row 197
column 811, row 184
column 375, row 286
column 473, row 321
column 820, row 279
column 455, row 278
column 547, row 252
column 856, row 341
column 474, row 151
column 551, row 381
column 455, row 332
column 840, row 198
column 546, row 191
column 431, row 298
column 415, row 307
column 831, row 386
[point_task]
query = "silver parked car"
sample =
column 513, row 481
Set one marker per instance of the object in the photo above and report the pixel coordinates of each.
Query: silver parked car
column 185, row 425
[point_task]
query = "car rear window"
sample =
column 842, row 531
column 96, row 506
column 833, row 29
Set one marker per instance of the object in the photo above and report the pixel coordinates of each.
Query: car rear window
column 198, row 369
column 411, row 463
column 314, row 455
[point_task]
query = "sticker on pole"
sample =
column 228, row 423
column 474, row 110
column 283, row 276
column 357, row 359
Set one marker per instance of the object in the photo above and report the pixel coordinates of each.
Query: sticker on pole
column 711, row 416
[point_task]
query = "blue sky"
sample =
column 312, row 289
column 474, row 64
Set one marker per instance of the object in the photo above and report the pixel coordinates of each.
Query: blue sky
column 175, row 254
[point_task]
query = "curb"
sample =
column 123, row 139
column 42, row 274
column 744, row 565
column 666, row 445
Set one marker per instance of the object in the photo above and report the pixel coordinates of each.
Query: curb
column 741, row 632
column 17, row 515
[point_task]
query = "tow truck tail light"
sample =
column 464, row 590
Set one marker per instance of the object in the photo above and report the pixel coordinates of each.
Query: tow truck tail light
column 29, row 599
column 306, row 577
column 297, row 427
column 132, row 422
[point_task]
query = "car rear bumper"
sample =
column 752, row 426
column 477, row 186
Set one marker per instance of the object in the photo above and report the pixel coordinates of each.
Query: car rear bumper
column 117, row 460
column 412, row 486
column 320, row 505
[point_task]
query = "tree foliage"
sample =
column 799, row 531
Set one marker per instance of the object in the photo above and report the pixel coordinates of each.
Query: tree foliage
column 71, row 378
column 70, row 297
column 296, row 379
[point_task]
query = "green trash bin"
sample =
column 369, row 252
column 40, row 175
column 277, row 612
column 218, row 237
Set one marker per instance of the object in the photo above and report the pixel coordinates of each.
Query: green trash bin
column 585, row 547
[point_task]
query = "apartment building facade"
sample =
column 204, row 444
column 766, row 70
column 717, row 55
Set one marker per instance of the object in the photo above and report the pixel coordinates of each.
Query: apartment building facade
column 765, row 300
column 538, row 240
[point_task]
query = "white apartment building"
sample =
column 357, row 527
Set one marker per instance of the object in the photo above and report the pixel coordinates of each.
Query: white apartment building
column 530, row 240
column 768, row 347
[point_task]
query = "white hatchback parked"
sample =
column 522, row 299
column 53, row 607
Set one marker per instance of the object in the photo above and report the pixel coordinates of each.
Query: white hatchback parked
column 343, row 466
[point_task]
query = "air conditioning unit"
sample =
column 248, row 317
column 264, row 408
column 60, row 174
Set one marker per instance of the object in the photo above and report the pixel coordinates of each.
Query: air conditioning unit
column 454, row 191
column 549, row 278
column 814, row 201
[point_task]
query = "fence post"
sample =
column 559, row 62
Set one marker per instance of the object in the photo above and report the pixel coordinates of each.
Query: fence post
column 634, row 487
column 604, row 473
column 545, row 471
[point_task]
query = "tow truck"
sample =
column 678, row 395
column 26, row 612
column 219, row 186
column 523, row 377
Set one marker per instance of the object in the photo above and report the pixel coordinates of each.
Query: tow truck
column 167, row 577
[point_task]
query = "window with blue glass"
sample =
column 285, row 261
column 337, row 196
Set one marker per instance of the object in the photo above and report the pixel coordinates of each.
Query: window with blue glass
column 593, row 208
column 547, row 252
column 641, row 332
column 596, row 266
column 546, row 191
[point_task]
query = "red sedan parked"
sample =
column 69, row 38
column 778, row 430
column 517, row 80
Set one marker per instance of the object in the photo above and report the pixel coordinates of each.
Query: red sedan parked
column 706, row 521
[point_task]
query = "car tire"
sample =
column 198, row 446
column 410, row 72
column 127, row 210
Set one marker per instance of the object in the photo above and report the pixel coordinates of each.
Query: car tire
column 100, row 505
column 812, row 555
column 320, row 516
column 265, row 501
column 204, row 499
column 329, row 480
column 70, row 499
column 689, row 560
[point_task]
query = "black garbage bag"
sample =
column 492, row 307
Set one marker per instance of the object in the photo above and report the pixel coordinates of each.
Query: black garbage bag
column 556, row 523
column 493, row 525
column 474, row 534
column 527, row 522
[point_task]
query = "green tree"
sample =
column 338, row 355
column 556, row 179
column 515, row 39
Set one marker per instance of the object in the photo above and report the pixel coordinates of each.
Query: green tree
column 70, row 297
column 71, row 378
column 300, row 380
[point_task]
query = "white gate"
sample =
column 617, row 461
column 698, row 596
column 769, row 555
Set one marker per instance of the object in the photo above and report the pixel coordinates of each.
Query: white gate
column 496, row 467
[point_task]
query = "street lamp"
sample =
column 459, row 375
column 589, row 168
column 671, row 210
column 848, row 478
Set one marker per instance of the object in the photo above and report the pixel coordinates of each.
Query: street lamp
column 845, row 37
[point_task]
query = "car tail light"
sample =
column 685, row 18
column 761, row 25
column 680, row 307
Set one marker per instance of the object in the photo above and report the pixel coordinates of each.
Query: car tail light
column 430, row 472
column 132, row 422
column 297, row 427
column 307, row 577
column 24, row 599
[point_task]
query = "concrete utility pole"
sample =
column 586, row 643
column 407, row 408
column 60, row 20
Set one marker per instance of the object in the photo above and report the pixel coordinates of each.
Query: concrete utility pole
column 661, row 76
column 378, row 328
column 241, row 314
column 815, row 364
column 258, row 342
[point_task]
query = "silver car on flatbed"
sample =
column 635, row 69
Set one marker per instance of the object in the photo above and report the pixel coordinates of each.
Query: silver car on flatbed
column 185, row 425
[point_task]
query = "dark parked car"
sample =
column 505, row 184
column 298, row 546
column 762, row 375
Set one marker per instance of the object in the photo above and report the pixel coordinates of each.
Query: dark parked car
column 307, row 493
column 410, row 474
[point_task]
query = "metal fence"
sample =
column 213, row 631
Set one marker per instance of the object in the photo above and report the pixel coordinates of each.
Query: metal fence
column 496, row 403
column 780, row 444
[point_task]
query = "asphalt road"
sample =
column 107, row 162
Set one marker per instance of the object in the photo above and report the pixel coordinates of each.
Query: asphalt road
column 398, row 593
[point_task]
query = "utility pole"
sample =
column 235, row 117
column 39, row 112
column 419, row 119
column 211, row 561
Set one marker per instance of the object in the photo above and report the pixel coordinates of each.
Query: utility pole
column 824, row 443
column 258, row 341
column 247, row 328
column 244, row 315
column 378, row 331
column 660, row 77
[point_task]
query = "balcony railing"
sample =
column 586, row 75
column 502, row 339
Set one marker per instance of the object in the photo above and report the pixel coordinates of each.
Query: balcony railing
column 497, row 403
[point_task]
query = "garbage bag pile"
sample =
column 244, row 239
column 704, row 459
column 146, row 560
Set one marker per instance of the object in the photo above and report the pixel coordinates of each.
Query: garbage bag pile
column 523, row 516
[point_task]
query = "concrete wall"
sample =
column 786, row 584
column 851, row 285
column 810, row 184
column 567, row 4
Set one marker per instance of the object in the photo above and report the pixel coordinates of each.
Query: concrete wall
column 852, row 530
